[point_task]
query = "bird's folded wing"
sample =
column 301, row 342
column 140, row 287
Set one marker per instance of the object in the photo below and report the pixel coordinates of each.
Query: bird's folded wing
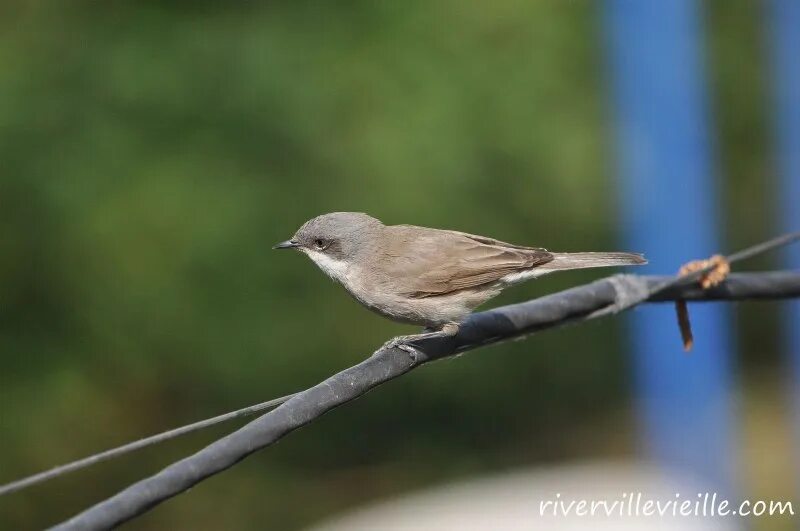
column 433, row 262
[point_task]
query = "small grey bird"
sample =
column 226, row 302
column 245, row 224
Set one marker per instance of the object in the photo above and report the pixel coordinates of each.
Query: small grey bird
column 423, row 276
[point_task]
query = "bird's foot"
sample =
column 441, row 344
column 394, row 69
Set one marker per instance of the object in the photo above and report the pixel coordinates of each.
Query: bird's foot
column 402, row 343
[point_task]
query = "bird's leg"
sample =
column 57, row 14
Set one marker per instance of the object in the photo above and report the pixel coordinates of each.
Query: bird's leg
column 403, row 342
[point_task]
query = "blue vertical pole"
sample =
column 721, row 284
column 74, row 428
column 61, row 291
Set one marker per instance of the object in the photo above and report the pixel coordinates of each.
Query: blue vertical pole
column 670, row 212
column 784, row 32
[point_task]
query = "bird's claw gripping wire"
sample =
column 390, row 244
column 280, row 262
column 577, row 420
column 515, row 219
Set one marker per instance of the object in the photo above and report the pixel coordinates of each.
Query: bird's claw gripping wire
column 401, row 343
column 718, row 269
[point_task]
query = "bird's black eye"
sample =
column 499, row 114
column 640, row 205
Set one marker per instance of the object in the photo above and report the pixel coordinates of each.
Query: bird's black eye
column 319, row 243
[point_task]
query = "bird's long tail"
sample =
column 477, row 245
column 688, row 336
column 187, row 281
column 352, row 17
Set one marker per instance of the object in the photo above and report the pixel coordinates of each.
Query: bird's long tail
column 562, row 261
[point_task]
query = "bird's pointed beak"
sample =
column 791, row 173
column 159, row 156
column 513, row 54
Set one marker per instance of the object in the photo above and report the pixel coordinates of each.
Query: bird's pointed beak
column 288, row 244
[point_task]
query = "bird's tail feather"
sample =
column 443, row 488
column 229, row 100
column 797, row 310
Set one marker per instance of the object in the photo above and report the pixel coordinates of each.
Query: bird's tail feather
column 583, row 260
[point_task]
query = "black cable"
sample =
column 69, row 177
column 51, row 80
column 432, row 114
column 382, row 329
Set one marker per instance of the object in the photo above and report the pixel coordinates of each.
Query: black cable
column 576, row 304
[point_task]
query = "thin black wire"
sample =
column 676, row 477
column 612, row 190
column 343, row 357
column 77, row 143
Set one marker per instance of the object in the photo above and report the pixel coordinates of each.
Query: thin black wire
column 60, row 470
column 760, row 248
column 20, row 484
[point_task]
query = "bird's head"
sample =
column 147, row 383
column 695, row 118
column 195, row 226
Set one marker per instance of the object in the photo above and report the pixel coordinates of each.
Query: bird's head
column 333, row 241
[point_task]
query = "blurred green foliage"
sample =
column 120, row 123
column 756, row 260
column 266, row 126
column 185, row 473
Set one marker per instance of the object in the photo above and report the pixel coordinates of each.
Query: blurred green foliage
column 151, row 153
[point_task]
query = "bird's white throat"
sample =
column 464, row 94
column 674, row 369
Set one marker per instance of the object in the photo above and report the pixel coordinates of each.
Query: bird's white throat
column 336, row 269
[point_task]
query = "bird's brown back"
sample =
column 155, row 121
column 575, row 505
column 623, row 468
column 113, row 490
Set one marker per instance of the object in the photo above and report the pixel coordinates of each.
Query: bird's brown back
column 424, row 262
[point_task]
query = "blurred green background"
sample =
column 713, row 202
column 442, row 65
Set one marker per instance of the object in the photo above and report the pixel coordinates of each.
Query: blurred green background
column 152, row 152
